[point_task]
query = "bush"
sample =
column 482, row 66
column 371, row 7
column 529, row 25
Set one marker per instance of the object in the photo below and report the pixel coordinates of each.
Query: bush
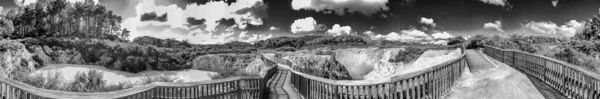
column 51, row 80
column 575, row 51
column 286, row 49
column 10, row 45
column 161, row 78
column 408, row 55
column 90, row 81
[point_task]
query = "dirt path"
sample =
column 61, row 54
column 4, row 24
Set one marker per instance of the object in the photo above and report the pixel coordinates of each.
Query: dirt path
column 492, row 80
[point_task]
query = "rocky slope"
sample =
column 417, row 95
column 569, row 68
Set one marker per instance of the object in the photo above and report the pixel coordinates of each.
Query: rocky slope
column 15, row 59
column 363, row 65
column 228, row 65
column 325, row 66
column 361, row 62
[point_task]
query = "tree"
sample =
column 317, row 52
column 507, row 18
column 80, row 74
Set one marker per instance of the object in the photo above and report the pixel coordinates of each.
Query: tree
column 591, row 31
column 6, row 27
column 125, row 34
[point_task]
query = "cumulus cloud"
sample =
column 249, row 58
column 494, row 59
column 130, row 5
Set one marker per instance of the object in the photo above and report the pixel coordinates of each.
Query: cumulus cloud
column 1, row 8
column 366, row 7
column 427, row 21
column 273, row 28
column 442, row 35
column 337, row 30
column 25, row 2
column 568, row 30
column 193, row 21
column 497, row 25
column 73, row 1
column 210, row 17
column 152, row 16
column 252, row 38
column 554, row 2
column 404, row 35
column 495, row 2
column 306, row 25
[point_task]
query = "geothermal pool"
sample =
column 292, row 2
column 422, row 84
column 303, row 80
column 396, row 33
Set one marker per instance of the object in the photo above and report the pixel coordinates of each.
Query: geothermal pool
column 114, row 77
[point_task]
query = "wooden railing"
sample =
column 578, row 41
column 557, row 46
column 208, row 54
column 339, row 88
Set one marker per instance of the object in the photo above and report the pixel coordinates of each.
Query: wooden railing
column 573, row 81
column 429, row 83
column 229, row 88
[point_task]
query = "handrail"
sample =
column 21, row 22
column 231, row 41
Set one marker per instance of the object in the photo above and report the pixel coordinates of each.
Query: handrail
column 241, row 87
column 431, row 82
column 571, row 80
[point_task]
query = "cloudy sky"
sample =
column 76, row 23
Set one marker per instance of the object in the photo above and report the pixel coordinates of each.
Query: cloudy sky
column 220, row 21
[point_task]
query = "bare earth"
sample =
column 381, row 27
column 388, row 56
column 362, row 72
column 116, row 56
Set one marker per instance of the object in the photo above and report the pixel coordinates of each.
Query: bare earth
column 496, row 82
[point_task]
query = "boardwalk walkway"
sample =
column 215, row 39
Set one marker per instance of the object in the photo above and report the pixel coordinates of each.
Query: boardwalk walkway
column 281, row 87
column 490, row 79
column 477, row 62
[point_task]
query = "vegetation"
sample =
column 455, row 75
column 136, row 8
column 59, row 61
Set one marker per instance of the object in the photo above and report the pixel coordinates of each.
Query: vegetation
column 89, row 81
column 227, row 65
column 307, row 41
column 580, row 52
column 170, row 43
column 408, row 55
column 583, row 49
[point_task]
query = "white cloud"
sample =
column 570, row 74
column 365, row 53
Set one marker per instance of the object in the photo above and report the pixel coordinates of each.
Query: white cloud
column 305, row 25
column 337, row 30
column 568, row 30
column 25, row 2
column 366, row 7
column 273, row 28
column 404, row 36
column 241, row 12
column 202, row 37
column 1, row 8
column 442, row 35
column 438, row 42
column 495, row 2
column 253, row 37
column 73, row 1
column 428, row 21
column 497, row 25
column 577, row 25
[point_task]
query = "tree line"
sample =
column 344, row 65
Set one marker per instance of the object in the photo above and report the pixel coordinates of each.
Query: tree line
column 60, row 18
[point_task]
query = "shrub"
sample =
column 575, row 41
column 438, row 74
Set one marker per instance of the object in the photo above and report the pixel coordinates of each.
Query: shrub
column 161, row 78
column 286, row 49
column 90, row 81
column 407, row 55
column 51, row 80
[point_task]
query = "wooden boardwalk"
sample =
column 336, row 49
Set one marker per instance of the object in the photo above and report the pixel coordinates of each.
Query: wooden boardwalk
column 280, row 86
column 276, row 85
column 477, row 62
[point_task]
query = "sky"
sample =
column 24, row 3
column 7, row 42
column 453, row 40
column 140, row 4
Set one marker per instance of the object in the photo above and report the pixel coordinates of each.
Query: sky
column 221, row 21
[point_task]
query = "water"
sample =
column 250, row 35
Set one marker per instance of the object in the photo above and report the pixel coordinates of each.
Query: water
column 114, row 77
